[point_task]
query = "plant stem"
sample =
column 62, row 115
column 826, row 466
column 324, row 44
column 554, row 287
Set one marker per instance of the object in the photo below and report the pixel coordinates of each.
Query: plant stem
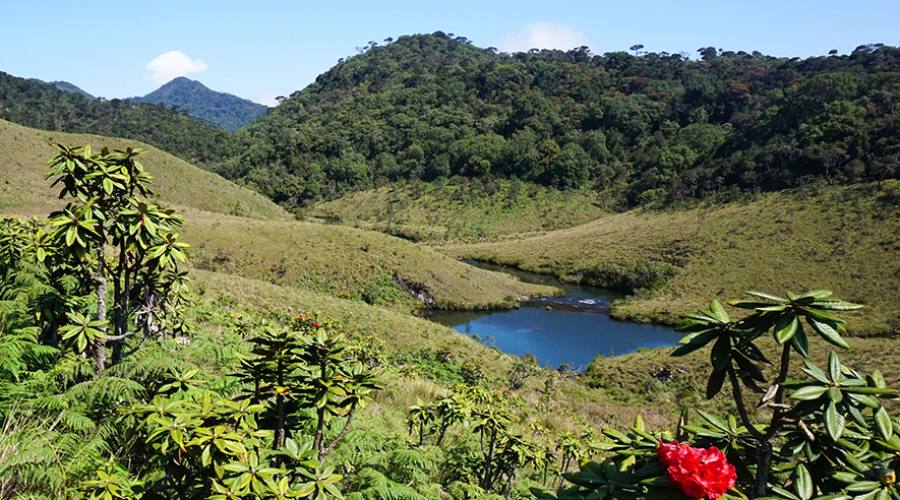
column 343, row 432
column 738, row 396
column 764, row 452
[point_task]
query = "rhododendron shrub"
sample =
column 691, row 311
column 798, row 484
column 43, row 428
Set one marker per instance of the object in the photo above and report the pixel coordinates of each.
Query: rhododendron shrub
column 827, row 435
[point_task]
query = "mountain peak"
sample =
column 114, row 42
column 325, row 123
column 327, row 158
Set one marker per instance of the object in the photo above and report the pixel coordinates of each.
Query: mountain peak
column 183, row 80
column 220, row 109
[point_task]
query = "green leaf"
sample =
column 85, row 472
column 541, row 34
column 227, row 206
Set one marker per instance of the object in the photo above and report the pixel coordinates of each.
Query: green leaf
column 713, row 420
column 720, row 356
column 820, row 316
column 883, row 423
column 803, row 483
column 800, row 341
column 714, row 384
column 695, row 343
column 863, row 486
column 809, row 392
column 834, row 367
column 718, row 311
column 834, row 422
column 827, row 332
column 816, row 294
column 836, row 305
column 766, row 296
column 815, row 372
column 786, row 327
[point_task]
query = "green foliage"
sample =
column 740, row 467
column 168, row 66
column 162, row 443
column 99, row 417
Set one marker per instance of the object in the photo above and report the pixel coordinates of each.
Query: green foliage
column 107, row 209
column 655, row 128
column 835, row 419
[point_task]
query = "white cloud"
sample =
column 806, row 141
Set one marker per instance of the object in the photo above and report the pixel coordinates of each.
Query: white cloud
column 268, row 98
column 173, row 63
column 542, row 35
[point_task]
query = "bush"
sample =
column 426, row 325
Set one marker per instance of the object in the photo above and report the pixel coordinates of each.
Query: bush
column 828, row 435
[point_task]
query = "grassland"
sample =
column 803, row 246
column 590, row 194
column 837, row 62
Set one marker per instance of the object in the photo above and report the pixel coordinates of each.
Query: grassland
column 460, row 210
column 842, row 238
column 24, row 190
column 429, row 357
column 346, row 262
column 237, row 230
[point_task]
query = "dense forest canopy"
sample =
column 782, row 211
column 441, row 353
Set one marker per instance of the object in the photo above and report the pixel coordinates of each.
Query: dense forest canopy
column 43, row 105
column 649, row 128
column 219, row 109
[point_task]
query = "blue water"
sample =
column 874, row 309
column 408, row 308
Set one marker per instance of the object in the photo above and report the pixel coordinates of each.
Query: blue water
column 572, row 329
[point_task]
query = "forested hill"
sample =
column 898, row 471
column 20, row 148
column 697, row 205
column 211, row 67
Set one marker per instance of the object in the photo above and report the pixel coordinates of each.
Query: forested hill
column 42, row 105
column 225, row 111
column 651, row 128
column 71, row 87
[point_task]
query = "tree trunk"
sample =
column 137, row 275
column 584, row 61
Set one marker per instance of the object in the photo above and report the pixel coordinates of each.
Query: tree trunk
column 485, row 481
column 99, row 347
column 279, row 425
column 343, row 432
column 319, row 439
column 443, row 431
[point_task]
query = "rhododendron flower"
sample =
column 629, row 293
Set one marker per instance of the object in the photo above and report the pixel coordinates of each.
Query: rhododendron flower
column 699, row 472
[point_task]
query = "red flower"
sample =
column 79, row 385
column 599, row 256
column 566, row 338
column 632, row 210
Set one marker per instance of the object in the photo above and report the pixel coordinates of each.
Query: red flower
column 700, row 473
column 314, row 324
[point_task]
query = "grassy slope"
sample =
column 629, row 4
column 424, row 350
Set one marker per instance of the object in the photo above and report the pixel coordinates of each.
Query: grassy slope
column 262, row 242
column 342, row 261
column 406, row 337
column 431, row 211
column 23, row 189
column 844, row 239
column 617, row 388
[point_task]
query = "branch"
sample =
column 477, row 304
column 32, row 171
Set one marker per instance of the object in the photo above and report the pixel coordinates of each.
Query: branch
column 739, row 401
column 118, row 337
column 343, row 432
column 775, row 425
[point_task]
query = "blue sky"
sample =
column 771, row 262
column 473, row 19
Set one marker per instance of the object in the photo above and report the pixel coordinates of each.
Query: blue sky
column 260, row 49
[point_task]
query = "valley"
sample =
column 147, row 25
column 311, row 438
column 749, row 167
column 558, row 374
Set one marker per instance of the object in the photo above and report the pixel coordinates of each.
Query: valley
column 446, row 271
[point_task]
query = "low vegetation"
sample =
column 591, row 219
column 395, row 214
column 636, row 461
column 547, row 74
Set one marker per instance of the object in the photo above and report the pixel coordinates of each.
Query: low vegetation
column 844, row 238
column 349, row 263
column 24, row 190
column 120, row 382
column 461, row 208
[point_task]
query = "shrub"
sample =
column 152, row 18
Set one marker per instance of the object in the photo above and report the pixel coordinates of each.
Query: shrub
column 827, row 435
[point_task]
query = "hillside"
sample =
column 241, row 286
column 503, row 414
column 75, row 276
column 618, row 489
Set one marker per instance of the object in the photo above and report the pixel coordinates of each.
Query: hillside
column 222, row 110
column 23, row 188
column 236, row 230
column 42, row 105
column 71, row 87
column 844, row 239
column 461, row 209
column 348, row 263
column 654, row 128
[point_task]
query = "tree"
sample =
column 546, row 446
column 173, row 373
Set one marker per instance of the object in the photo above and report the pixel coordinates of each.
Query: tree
column 107, row 210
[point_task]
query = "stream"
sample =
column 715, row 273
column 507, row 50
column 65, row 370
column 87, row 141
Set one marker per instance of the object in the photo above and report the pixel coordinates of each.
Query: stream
column 570, row 329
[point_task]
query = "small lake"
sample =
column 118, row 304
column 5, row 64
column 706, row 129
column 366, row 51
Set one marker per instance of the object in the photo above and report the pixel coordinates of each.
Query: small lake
column 571, row 329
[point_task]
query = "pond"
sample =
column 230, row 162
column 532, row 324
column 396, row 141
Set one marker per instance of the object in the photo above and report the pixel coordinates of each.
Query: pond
column 570, row 329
